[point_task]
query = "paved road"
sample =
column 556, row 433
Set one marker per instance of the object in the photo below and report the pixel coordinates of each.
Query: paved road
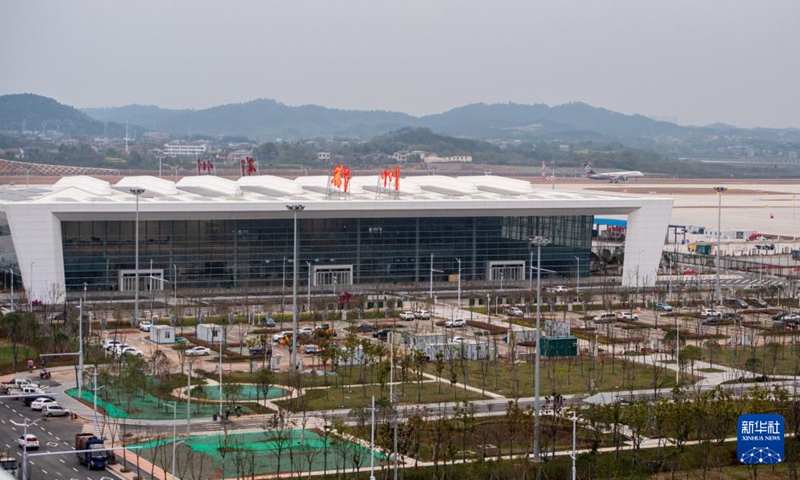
column 54, row 434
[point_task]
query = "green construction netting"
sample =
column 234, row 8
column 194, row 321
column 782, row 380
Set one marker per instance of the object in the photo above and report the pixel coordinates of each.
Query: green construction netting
column 260, row 453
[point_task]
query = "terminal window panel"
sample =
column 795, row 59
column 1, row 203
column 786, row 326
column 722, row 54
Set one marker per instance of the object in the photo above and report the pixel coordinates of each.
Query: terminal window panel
column 258, row 253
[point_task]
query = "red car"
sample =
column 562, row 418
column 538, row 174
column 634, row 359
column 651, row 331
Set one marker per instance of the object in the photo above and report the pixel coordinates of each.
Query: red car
column 689, row 271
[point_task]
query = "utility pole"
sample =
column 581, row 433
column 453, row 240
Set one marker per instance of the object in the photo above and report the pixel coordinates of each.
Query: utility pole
column 720, row 191
column 538, row 241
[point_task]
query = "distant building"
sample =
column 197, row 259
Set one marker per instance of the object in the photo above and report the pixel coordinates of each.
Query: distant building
column 400, row 156
column 563, row 148
column 182, row 150
column 454, row 159
column 323, row 156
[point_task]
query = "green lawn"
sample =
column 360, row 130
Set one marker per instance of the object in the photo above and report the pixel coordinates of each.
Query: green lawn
column 787, row 361
column 23, row 353
column 361, row 396
column 562, row 376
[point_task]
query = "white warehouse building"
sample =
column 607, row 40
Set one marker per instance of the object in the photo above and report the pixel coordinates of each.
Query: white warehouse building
column 207, row 232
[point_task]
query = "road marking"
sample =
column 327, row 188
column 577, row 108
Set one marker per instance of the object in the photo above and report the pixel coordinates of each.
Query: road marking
column 44, row 471
column 61, row 460
column 52, row 444
column 58, row 439
column 75, row 469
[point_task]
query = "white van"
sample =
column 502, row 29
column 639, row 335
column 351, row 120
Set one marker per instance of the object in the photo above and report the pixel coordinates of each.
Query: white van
column 605, row 318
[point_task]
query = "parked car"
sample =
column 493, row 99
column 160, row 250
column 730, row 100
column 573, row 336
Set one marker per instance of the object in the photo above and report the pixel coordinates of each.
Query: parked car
column 305, row 331
column 54, row 411
column 664, row 307
column 689, row 271
column 130, row 351
column 515, row 312
column 791, row 318
column 145, row 326
column 311, row 349
column 28, row 401
column 268, row 322
column 735, row 317
column 779, row 315
column 458, row 340
column 198, row 351
column 422, row 315
column 365, row 327
column 42, row 402
column 627, row 316
column 710, row 312
column 383, row 333
column 280, row 336
column 713, row 321
column 605, row 318
column 455, row 323
column 784, row 325
column 112, row 344
column 28, row 441
column 258, row 350
column 408, row 316
column 736, row 303
column 759, row 302
column 561, row 289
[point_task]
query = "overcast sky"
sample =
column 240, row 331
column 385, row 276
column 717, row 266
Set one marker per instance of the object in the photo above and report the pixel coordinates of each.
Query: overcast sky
column 694, row 61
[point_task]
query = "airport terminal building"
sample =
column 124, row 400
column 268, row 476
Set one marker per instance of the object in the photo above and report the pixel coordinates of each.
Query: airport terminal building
column 209, row 233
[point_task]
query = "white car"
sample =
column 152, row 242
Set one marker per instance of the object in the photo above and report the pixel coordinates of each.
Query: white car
column 55, row 411
column 198, row 351
column 455, row 323
column 40, row 403
column 627, row 316
column 280, row 336
column 112, row 344
column 710, row 312
column 458, row 340
column 515, row 312
column 305, row 331
column 145, row 326
column 28, row 441
column 423, row 315
column 408, row 316
column 560, row 289
column 131, row 351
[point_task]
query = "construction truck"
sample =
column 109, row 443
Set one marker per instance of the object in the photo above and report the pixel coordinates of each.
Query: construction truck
column 94, row 460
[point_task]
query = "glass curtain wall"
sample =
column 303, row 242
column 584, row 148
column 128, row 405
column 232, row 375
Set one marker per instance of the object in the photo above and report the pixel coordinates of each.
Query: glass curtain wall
column 258, row 253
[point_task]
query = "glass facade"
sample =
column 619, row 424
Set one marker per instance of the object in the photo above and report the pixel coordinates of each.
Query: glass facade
column 258, row 253
column 8, row 256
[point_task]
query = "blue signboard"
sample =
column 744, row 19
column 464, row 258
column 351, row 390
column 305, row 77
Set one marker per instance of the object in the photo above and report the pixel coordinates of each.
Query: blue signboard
column 760, row 438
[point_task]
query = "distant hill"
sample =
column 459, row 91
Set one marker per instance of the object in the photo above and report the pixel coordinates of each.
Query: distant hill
column 512, row 119
column 38, row 112
column 260, row 119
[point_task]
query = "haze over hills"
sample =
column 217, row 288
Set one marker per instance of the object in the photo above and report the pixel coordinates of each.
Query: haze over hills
column 268, row 120
column 35, row 112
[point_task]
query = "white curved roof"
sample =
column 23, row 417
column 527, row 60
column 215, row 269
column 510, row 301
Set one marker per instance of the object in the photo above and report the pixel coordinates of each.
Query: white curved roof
column 270, row 185
column 82, row 182
column 320, row 184
column 501, row 185
column 209, row 185
column 152, row 185
column 440, row 184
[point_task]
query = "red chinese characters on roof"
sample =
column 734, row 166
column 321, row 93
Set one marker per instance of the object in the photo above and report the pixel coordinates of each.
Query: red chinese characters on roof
column 249, row 167
column 205, row 166
column 341, row 177
column 391, row 177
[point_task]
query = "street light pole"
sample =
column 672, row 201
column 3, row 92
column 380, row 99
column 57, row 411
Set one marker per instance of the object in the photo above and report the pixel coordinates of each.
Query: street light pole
column 430, row 291
column 538, row 241
column 136, row 191
column 459, row 282
column 309, row 286
column 296, row 264
column 720, row 191
column 12, row 288
column 574, row 453
column 25, row 445
column 189, row 401
column 30, row 300
column 577, row 273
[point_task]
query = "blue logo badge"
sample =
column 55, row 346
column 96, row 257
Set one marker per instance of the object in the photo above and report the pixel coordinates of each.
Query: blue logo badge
column 760, row 438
